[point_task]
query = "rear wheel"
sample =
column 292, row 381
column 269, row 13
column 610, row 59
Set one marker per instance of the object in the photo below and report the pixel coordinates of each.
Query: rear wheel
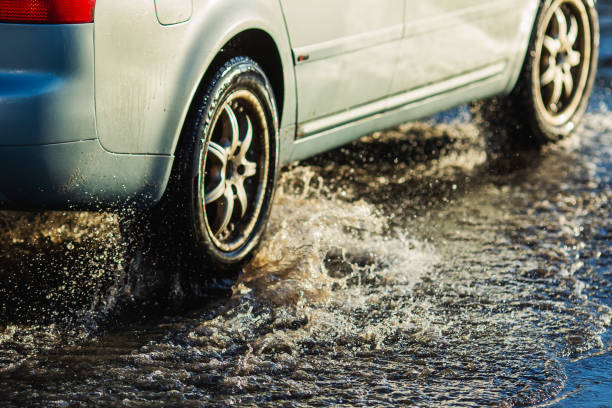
column 218, row 200
column 553, row 89
column 233, row 164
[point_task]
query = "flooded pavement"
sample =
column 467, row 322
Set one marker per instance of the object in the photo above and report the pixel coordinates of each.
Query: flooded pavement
column 404, row 268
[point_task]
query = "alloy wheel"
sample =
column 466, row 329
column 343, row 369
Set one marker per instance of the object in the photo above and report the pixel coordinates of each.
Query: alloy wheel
column 562, row 60
column 235, row 171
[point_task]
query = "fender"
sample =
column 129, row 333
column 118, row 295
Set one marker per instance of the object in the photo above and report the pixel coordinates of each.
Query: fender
column 155, row 73
column 522, row 43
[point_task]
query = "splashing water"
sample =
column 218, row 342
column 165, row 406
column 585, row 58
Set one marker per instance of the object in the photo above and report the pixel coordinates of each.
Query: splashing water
column 398, row 270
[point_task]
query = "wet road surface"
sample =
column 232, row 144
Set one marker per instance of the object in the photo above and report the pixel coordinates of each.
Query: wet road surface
column 404, row 268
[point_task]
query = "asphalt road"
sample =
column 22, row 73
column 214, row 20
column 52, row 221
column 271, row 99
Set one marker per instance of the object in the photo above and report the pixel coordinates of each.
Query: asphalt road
column 404, row 268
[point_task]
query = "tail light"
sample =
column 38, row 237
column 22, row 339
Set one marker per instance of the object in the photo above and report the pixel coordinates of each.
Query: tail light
column 47, row 11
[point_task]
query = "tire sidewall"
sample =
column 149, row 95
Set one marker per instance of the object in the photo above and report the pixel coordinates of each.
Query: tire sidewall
column 237, row 73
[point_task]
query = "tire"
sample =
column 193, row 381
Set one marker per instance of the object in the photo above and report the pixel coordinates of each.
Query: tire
column 555, row 83
column 218, row 200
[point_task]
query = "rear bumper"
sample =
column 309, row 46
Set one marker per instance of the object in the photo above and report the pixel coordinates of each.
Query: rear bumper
column 50, row 156
column 46, row 84
column 79, row 175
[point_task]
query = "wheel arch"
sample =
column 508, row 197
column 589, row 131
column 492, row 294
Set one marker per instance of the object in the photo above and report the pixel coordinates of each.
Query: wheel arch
column 261, row 48
column 521, row 47
column 259, row 38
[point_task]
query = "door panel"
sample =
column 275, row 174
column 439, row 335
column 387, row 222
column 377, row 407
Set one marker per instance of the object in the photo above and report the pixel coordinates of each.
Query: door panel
column 345, row 51
column 446, row 38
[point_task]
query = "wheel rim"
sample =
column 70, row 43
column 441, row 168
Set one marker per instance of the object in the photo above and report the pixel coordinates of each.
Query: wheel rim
column 235, row 171
column 562, row 60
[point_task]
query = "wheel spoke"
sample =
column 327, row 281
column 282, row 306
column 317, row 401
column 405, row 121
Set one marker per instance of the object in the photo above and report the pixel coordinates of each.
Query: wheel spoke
column 250, row 169
column 235, row 129
column 248, row 138
column 242, row 198
column 573, row 58
column 216, row 193
column 552, row 45
column 562, row 25
column 557, row 90
column 219, row 152
column 572, row 35
column 227, row 211
column 568, row 80
column 549, row 75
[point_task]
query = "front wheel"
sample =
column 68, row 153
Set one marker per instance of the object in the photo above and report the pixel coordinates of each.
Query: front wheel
column 557, row 77
column 219, row 196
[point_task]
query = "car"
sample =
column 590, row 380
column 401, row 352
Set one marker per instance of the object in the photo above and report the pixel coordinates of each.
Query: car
column 186, row 109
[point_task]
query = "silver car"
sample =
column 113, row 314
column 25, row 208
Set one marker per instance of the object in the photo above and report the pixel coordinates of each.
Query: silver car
column 186, row 108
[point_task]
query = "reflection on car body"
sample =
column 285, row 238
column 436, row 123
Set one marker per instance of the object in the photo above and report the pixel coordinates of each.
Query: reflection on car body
column 186, row 108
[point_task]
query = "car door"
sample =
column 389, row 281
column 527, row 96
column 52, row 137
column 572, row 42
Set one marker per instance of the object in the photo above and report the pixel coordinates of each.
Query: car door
column 345, row 52
column 445, row 39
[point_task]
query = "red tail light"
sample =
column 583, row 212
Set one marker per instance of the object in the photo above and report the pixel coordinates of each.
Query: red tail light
column 47, row 11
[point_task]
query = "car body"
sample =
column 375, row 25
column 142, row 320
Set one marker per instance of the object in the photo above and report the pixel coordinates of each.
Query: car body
column 91, row 113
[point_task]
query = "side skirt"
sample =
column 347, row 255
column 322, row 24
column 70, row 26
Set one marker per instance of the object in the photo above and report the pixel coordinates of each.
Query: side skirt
column 336, row 130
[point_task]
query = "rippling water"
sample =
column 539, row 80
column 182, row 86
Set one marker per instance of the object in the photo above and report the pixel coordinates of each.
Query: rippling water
column 402, row 269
